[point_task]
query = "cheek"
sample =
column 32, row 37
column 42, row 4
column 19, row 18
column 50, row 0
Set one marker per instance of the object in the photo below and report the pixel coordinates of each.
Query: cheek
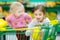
column 21, row 9
column 16, row 14
column 42, row 16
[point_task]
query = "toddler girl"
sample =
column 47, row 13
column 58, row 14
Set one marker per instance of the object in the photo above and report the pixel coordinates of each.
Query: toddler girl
column 40, row 19
column 18, row 17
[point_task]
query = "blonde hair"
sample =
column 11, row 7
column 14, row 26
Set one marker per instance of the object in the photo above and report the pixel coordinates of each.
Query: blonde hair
column 16, row 5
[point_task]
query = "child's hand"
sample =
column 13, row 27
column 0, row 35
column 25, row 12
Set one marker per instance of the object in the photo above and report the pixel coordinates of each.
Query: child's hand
column 41, row 33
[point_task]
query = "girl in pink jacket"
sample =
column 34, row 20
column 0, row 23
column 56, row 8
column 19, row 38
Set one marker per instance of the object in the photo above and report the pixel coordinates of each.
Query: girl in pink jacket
column 18, row 17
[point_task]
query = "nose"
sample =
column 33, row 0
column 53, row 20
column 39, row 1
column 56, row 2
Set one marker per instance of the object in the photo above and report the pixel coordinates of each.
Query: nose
column 38, row 16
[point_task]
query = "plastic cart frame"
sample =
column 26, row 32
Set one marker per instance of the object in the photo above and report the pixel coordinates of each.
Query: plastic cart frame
column 46, row 35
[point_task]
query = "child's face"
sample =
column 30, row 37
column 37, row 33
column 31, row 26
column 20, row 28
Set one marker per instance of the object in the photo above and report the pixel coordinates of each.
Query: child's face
column 39, row 15
column 18, row 12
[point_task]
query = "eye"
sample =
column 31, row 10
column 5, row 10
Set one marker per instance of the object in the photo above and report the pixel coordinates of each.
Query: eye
column 35, row 14
column 40, row 14
column 19, row 11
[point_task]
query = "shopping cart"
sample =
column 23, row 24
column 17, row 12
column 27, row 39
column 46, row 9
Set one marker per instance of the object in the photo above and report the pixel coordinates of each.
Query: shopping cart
column 46, row 35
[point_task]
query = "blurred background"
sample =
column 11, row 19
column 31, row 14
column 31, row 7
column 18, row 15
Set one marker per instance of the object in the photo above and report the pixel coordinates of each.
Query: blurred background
column 52, row 8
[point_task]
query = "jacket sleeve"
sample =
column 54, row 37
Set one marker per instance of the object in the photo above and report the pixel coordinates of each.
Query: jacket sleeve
column 28, row 18
column 11, row 24
column 30, row 25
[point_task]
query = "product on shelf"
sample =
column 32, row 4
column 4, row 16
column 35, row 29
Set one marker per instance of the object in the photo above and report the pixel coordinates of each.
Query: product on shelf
column 3, row 23
column 6, row 13
column 1, row 12
column 51, row 15
column 50, row 4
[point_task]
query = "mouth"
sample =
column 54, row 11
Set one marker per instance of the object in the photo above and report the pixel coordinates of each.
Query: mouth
column 38, row 18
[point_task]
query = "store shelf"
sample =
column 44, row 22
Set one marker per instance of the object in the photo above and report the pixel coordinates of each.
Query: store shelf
column 56, row 8
column 7, row 0
column 37, row 0
column 58, row 0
